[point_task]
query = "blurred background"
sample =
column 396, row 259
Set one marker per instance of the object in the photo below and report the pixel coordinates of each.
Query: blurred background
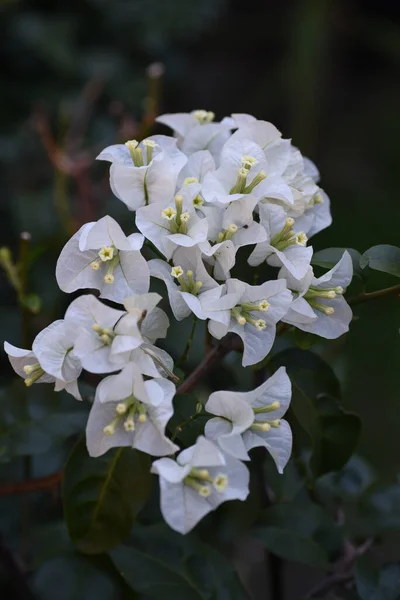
column 77, row 76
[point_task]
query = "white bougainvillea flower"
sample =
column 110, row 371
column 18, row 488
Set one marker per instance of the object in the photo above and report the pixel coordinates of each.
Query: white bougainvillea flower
column 52, row 358
column 198, row 165
column 196, row 131
column 229, row 229
column 154, row 323
column 255, row 311
column 128, row 411
column 196, row 483
column 311, row 207
column 105, row 336
column 284, row 246
column 145, row 172
column 173, row 224
column 242, row 171
column 246, row 420
column 188, row 278
column 276, row 150
column 221, row 257
column 316, row 215
column 318, row 306
column 100, row 256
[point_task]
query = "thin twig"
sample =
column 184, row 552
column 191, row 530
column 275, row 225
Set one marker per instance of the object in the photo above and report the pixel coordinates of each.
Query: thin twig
column 32, row 485
column 366, row 296
column 189, row 343
column 344, row 570
column 217, row 353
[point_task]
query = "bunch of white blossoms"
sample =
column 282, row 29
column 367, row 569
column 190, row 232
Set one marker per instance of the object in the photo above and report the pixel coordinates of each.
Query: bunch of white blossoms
column 198, row 198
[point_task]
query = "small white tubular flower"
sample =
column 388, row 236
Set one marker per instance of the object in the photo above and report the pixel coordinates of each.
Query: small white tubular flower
column 105, row 336
column 52, row 358
column 255, row 311
column 168, row 229
column 242, row 171
column 144, row 173
column 187, row 280
column 128, row 411
column 196, row 483
column 100, row 256
column 285, row 245
column 248, row 419
column 318, row 306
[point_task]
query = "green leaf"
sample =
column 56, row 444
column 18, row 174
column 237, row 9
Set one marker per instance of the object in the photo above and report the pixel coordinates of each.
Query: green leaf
column 299, row 531
column 71, row 577
column 163, row 564
column 380, row 509
column 285, row 486
column 32, row 420
column 349, row 483
column 384, row 258
column 329, row 257
column 374, row 585
column 366, row 578
column 334, row 432
column 102, row 496
column 292, row 546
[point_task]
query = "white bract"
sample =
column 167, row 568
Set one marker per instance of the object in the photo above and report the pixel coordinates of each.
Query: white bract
column 145, row 172
column 318, row 305
column 128, row 411
column 108, row 338
column 209, row 205
column 249, row 419
column 284, row 245
column 100, row 256
column 196, row 131
column 200, row 479
column 52, row 358
column 254, row 311
column 174, row 223
column 186, row 280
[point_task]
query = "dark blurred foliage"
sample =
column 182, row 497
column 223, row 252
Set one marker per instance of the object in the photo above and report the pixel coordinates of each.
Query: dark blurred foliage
column 79, row 75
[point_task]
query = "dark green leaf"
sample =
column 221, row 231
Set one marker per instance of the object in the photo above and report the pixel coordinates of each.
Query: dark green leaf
column 287, row 485
column 349, row 483
column 103, row 495
column 329, row 257
column 384, row 258
column 389, row 582
column 162, row 564
column 366, row 576
column 307, row 524
column 73, row 577
column 292, row 546
column 374, row 585
column 334, row 432
column 380, row 509
column 32, row 420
